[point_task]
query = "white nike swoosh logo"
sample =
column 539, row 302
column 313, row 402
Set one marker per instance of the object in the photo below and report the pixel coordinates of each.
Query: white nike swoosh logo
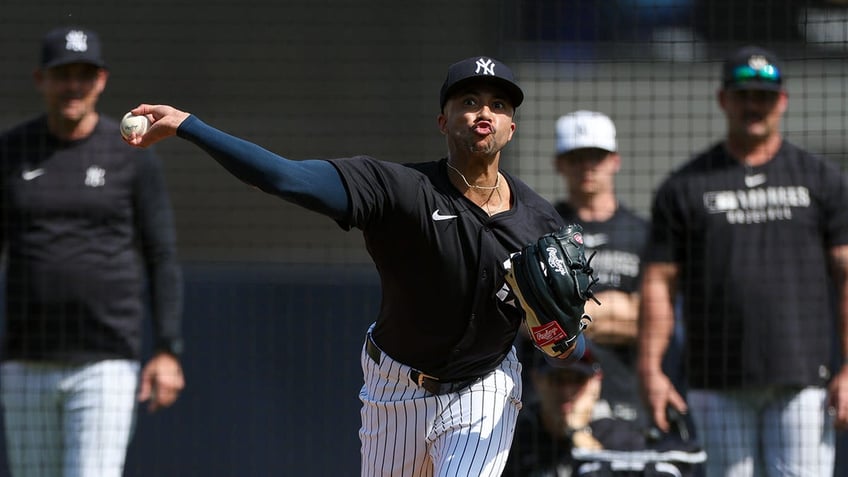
column 437, row 216
column 755, row 180
column 30, row 175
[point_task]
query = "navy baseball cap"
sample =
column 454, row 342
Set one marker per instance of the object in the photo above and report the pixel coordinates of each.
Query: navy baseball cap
column 752, row 67
column 66, row 45
column 480, row 68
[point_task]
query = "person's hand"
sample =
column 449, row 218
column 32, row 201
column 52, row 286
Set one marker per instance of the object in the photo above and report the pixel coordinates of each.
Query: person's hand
column 837, row 399
column 161, row 381
column 658, row 393
column 579, row 410
column 164, row 121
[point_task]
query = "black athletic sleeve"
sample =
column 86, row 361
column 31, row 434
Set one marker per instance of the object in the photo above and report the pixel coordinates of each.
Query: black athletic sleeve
column 157, row 236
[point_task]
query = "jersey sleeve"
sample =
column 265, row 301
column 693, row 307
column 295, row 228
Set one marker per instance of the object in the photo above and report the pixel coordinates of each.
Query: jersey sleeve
column 665, row 233
column 375, row 188
column 835, row 204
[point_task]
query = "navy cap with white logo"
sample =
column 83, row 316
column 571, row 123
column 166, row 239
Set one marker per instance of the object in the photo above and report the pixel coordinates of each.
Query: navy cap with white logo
column 66, row 45
column 480, row 68
column 752, row 67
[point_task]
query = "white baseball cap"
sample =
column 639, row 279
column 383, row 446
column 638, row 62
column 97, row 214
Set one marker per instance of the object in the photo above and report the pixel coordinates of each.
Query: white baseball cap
column 584, row 129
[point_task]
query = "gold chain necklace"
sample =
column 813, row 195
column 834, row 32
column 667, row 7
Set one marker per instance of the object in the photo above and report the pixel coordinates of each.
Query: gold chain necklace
column 474, row 186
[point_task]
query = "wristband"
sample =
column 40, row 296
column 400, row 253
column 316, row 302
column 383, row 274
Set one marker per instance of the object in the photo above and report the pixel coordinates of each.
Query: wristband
column 173, row 346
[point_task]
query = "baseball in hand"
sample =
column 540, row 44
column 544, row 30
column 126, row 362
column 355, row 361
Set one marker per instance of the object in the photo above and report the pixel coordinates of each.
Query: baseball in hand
column 134, row 125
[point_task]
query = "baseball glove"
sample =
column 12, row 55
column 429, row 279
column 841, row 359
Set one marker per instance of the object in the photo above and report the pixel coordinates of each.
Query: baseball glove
column 551, row 280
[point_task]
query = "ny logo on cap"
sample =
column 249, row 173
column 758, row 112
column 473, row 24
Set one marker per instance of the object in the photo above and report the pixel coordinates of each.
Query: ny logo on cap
column 580, row 130
column 487, row 66
column 76, row 40
column 757, row 62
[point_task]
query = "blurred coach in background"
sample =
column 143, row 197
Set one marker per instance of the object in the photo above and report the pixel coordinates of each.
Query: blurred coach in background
column 79, row 207
column 749, row 232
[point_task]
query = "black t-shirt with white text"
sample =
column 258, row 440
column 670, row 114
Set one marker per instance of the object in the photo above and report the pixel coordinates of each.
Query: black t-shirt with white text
column 752, row 246
column 617, row 244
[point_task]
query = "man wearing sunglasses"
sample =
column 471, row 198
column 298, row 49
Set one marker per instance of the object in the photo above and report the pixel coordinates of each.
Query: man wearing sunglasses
column 750, row 232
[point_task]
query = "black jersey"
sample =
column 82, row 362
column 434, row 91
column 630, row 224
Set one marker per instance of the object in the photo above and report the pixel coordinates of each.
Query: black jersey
column 752, row 246
column 76, row 216
column 618, row 244
column 439, row 258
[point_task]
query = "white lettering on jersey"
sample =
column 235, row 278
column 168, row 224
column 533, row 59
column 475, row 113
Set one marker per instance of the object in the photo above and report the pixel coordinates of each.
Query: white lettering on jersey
column 757, row 205
column 595, row 240
column 611, row 265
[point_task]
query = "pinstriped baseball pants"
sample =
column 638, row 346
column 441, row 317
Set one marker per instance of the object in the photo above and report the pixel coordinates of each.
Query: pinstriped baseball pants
column 766, row 431
column 68, row 420
column 406, row 431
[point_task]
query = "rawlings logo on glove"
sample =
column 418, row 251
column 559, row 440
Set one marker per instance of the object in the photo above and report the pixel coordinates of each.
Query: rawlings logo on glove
column 551, row 280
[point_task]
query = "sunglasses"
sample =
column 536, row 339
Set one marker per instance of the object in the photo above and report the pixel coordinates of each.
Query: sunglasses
column 766, row 73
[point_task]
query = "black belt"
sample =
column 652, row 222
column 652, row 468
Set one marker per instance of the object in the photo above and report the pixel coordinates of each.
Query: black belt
column 429, row 383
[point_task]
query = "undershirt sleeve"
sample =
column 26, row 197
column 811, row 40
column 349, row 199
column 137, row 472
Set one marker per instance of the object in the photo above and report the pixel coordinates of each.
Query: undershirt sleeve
column 313, row 184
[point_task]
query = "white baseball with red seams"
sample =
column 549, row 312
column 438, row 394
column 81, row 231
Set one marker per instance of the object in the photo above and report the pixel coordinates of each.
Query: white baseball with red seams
column 134, row 125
